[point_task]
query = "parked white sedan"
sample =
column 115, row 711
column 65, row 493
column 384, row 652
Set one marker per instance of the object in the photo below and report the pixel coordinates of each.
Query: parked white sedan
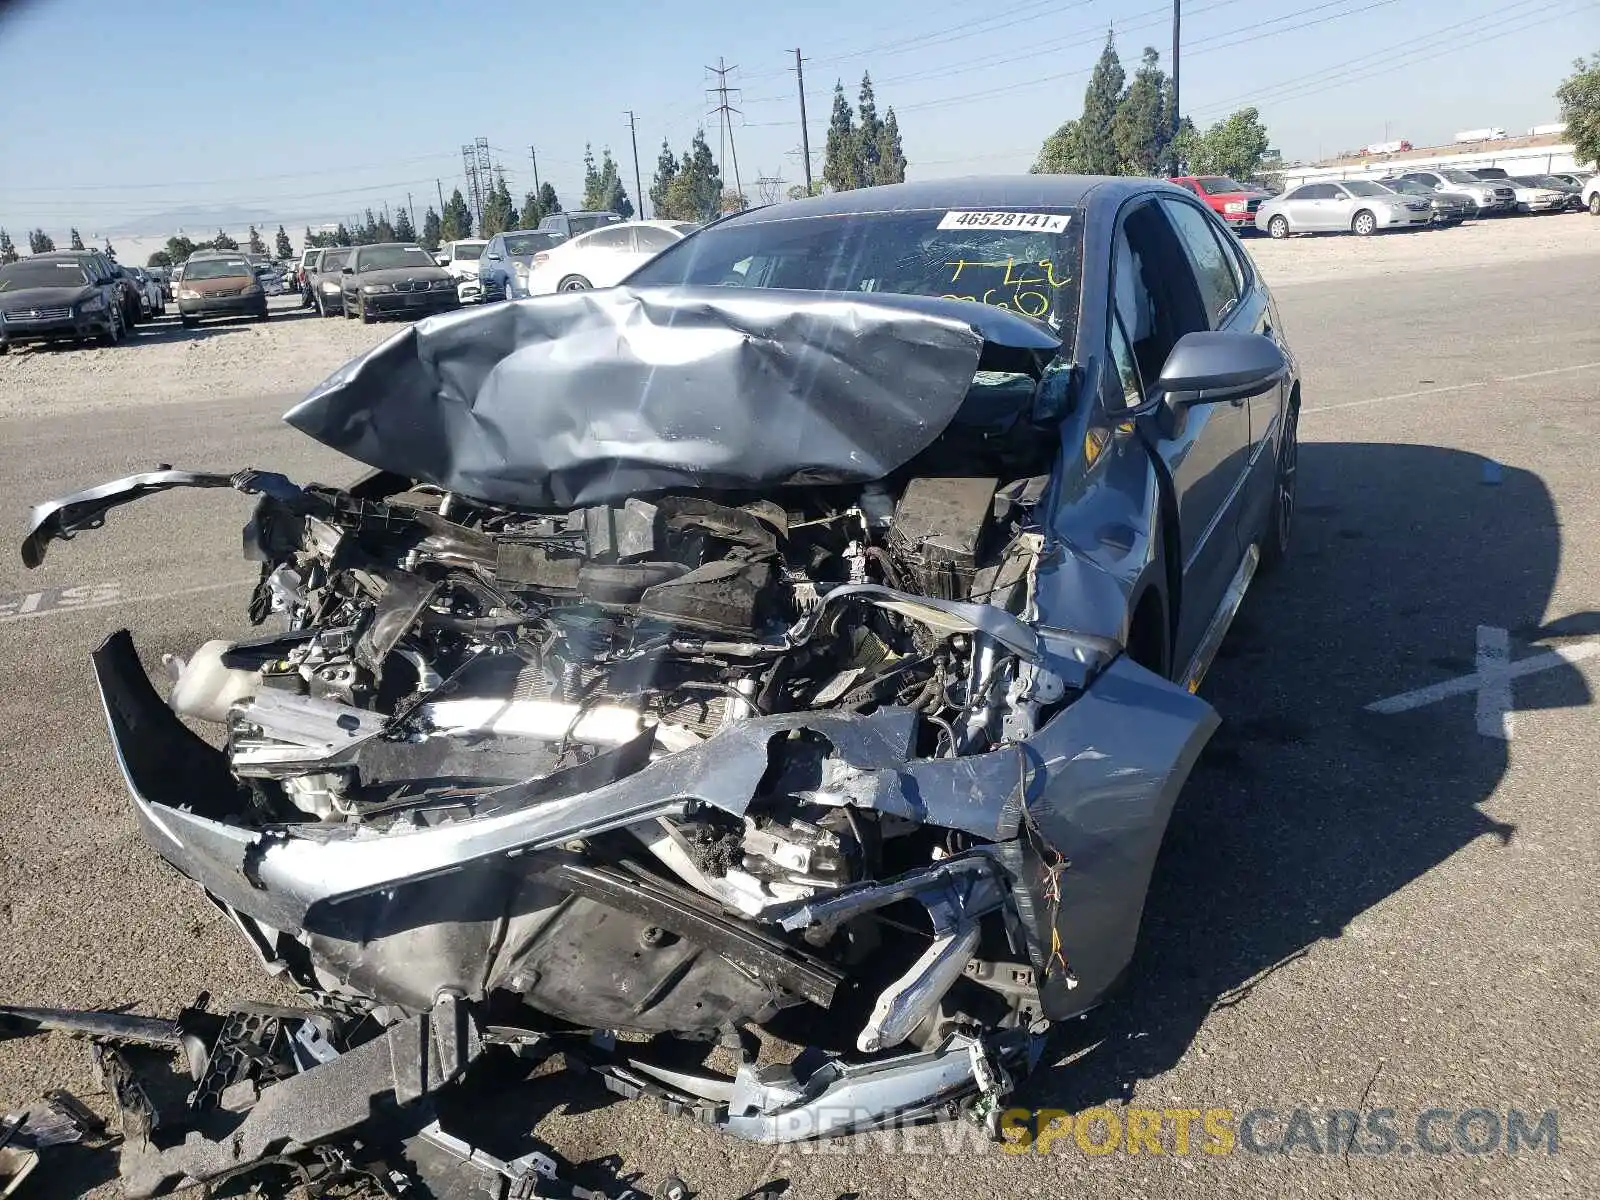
column 603, row 257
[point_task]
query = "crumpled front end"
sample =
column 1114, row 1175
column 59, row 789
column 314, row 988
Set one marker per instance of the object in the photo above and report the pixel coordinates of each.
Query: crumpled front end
column 698, row 763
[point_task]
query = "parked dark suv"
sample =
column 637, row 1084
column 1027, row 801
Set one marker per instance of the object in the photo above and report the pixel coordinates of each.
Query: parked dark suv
column 58, row 297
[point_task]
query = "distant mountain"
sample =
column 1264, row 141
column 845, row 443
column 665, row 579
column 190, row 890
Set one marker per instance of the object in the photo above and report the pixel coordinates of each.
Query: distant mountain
column 200, row 222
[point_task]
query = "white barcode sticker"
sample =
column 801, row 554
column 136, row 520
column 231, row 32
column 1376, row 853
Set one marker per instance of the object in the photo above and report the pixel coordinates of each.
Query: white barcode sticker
column 1038, row 222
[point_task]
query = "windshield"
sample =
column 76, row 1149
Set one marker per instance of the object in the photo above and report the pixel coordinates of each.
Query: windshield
column 384, row 258
column 584, row 224
column 18, row 275
column 468, row 252
column 931, row 252
column 530, row 243
column 1364, row 187
column 216, row 268
column 334, row 260
column 1218, row 185
column 1408, row 186
column 1460, row 177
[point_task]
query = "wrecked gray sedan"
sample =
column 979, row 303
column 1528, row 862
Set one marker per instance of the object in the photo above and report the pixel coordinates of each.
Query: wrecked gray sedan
column 797, row 640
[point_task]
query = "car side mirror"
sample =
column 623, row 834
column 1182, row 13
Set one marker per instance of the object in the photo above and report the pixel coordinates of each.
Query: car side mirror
column 494, row 258
column 1210, row 367
column 347, row 270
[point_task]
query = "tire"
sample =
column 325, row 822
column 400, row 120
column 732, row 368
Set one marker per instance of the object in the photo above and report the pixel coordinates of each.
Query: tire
column 344, row 307
column 189, row 322
column 1280, row 525
column 1364, row 224
column 1278, row 227
column 113, row 335
column 574, row 283
column 263, row 314
column 5, row 348
column 1594, row 204
column 367, row 315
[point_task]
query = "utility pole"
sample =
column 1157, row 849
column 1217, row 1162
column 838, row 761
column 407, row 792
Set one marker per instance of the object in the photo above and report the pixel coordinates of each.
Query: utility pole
column 1177, row 23
column 411, row 211
column 805, row 133
column 534, row 154
column 726, row 112
column 440, row 186
column 638, row 186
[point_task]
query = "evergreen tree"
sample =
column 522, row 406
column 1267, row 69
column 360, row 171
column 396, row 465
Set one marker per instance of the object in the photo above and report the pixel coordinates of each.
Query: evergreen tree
column 602, row 185
column 159, row 258
column 696, row 188
column 75, row 239
column 1142, row 127
column 431, row 230
column 1097, row 147
column 840, row 166
column 404, row 230
column 283, row 246
column 8, row 248
column 223, row 242
column 383, row 231
column 891, row 165
column 661, row 188
column 531, row 214
column 342, row 237
column 456, row 222
column 40, row 242
column 179, row 248
column 499, row 214
column 869, row 132
column 256, row 245
column 549, row 204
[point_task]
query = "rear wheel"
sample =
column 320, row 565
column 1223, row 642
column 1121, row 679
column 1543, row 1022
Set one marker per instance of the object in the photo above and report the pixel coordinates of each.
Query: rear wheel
column 1278, row 227
column 1275, row 541
column 1594, row 205
column 1365, row 224
column 574, row 283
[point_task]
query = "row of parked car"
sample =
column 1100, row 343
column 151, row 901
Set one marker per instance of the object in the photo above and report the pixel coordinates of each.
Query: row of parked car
column 569, row 252
column 75, row 297
column 1440, row 196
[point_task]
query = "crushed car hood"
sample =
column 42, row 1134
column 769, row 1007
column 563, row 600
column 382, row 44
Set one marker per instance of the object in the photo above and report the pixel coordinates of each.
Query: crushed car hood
column 588, row 397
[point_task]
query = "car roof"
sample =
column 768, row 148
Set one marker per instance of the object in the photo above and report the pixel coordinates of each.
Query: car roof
column 1004, row 191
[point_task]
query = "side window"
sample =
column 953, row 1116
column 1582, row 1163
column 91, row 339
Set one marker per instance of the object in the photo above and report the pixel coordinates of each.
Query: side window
column 1212, row 269
column 651, row 238
column 1153, row 287
column 610, row 239
column 1318, row 191
column 1128, row 380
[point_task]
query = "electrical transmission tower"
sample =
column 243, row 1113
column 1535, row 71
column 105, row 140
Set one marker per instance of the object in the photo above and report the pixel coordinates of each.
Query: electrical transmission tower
column 768, row 187
column 725, row 112
column 476, row 164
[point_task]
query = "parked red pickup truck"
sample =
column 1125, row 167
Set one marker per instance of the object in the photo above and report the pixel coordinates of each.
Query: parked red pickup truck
column 1234, row 202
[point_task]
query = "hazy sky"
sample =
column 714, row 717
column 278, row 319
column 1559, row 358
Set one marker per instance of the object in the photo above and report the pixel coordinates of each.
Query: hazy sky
column 119, row 110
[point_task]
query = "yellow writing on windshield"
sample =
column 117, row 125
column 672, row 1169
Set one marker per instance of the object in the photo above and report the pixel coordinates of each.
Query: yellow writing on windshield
column 1026, row 286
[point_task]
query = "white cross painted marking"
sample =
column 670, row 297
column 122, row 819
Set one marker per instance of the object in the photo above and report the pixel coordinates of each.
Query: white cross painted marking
column 1491, row 681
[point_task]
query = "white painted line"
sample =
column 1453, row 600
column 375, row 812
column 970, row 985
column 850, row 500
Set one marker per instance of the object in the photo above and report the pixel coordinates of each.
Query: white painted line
column 1494, row 697
column 1452, row 387
column 1491, row 680
column 109, row 596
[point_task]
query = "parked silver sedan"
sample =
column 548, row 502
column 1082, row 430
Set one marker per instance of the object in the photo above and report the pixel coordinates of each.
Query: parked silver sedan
column 1356, row 206
column 1449, row 208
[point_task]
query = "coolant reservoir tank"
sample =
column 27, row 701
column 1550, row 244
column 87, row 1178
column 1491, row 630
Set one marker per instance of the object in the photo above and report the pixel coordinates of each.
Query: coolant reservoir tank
column 204, row 687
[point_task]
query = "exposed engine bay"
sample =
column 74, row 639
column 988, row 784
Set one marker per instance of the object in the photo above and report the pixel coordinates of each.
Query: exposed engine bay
column 818, row 758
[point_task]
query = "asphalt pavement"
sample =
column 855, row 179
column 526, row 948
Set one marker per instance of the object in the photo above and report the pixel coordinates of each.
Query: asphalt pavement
column 1379, row 891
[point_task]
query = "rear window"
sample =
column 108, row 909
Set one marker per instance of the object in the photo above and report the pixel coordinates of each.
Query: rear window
column 18, row 275
column 217, row 268
column 468, row 253
column 334, row 260
column 584, row 224
column 930, row 252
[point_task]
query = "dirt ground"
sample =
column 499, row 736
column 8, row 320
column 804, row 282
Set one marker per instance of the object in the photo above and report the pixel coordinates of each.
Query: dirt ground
column 166, row 364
